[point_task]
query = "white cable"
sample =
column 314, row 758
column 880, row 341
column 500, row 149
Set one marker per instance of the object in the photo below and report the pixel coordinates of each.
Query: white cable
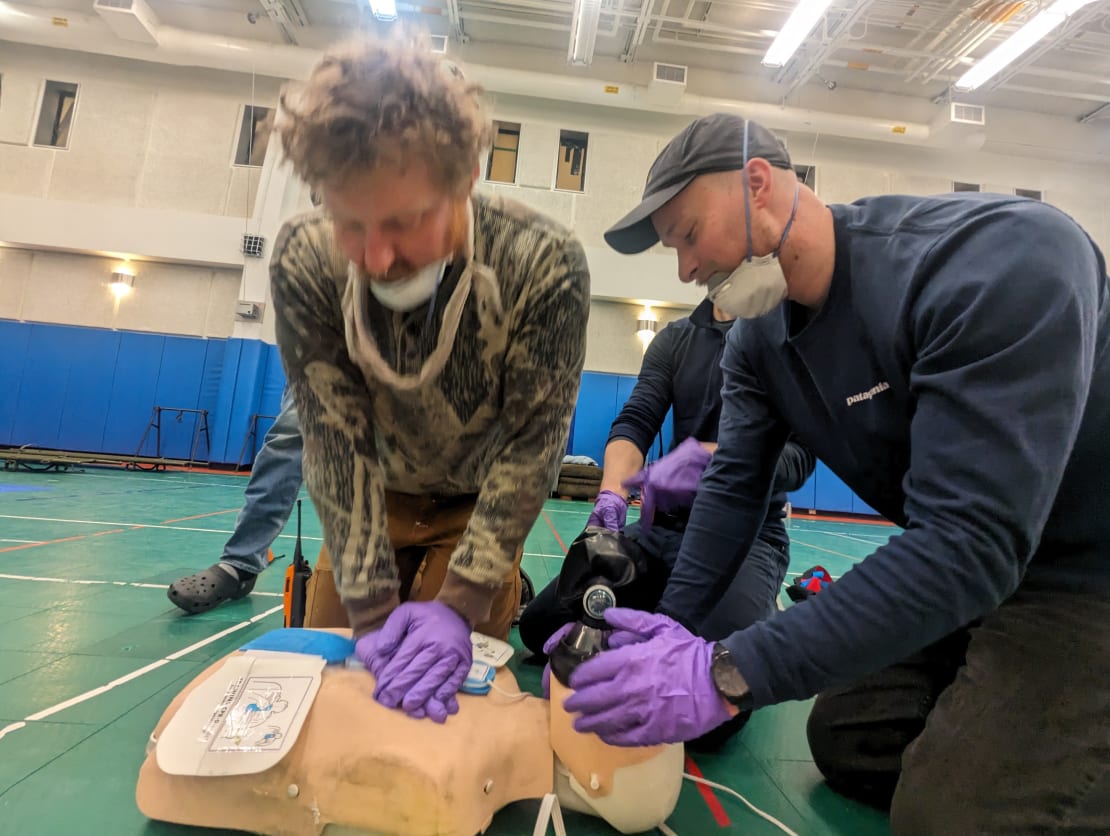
column 751, row 806
column 511, row 695
column 666, row 831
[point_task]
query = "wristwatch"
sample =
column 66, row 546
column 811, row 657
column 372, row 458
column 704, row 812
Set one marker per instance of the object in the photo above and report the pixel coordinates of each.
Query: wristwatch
column 729, row 681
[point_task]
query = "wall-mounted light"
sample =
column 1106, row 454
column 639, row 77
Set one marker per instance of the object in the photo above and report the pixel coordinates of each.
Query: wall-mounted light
column 383, row 9
column 123, row 281
column 647, row 323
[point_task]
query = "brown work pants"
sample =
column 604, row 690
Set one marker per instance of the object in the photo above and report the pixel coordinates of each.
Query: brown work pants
column 424, row 531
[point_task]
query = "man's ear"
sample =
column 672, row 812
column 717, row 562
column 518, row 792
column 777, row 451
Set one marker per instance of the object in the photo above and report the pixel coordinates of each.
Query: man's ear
column 761, row 178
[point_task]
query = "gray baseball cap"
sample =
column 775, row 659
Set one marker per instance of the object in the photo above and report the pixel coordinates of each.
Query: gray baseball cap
column 711, row 143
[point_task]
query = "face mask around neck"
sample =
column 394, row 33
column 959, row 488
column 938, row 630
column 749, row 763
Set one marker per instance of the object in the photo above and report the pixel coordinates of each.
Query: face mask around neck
column 409, row 294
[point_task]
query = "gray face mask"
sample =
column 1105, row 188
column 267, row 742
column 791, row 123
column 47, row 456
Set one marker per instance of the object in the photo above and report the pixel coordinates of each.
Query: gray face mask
column 757, row 285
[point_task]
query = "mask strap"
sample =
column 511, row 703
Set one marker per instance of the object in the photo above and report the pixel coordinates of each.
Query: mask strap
column 748, row 208
column 790, row 222
column 435, row 295
column 747, row 203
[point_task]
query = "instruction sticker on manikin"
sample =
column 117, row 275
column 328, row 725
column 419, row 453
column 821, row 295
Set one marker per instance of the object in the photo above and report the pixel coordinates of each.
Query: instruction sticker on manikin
column 242, row 719
column 256, row 713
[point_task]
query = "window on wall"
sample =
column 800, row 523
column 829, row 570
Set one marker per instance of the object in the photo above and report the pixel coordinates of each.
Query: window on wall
column 502, row 157
column 254, row 136
column 807, row 175
column 59, row 99
column 1034, row 194
column 957, row 186
column 570, row 171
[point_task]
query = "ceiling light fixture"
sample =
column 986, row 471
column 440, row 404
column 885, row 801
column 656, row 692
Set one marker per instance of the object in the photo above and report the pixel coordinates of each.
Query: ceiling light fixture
column 800, row 23
column 1018, row 44
column 583, row 32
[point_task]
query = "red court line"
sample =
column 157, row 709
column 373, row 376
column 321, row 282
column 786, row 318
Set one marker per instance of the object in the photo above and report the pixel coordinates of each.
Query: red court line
column 711, row 801
column 112, row 531
column 804, row 515
column 43, row 543
column 550, row 525
column 199, row 516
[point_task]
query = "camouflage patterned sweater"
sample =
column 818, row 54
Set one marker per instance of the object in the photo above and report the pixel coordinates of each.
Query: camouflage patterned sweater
column 475, row 398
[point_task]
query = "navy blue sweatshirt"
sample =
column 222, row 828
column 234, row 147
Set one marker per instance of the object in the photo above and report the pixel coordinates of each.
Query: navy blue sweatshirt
column 682, row 369
column 957, row 378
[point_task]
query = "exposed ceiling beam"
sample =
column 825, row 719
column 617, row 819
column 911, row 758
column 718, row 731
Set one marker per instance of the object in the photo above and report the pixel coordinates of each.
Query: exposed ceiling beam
column 798, row 73
column 288, row 16
column 1100, row 112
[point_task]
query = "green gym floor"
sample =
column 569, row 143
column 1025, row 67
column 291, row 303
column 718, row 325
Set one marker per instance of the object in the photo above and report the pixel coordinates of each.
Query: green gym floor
column 91, row 652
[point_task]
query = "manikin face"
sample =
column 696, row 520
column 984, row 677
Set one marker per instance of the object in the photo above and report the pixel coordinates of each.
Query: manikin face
column 392, row 223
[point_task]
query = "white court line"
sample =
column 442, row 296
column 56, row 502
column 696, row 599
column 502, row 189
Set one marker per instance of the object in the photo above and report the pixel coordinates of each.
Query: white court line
column 538, row 554
column 103, row 689
column 846, row 537
column 133, row 525
column 7, row 577
column 815, row 547
column 6, row 540
column 11, row 728
column 171, row 478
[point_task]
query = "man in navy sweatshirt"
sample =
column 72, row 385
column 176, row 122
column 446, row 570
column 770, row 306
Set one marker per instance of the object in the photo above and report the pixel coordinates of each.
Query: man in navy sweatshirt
column 681, row 371
column 949, row 359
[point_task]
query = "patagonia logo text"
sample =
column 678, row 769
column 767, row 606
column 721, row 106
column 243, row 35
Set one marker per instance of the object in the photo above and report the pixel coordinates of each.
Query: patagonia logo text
column 869, row 394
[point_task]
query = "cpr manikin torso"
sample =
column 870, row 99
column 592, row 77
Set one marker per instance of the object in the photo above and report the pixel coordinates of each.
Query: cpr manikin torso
column 357, row 767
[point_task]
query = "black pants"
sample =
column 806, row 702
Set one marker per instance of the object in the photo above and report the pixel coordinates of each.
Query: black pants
column 1000, row 729
column 751, row 597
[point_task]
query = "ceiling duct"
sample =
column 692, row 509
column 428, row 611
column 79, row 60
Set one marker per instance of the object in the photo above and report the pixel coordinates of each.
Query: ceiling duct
column 89, row 33
column 131, row 20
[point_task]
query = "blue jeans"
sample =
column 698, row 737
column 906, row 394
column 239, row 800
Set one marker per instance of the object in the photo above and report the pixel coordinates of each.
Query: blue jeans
column 271, row 492
column 753, row 593
column 752, row 596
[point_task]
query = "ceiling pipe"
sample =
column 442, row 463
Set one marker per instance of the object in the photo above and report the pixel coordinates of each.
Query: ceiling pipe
column 180, row 47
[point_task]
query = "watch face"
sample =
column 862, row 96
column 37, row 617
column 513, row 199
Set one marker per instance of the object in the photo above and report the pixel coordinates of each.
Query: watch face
column 727, row 677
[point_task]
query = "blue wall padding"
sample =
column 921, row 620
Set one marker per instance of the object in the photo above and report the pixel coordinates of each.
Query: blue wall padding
column 92, row 368
column 43, row 387
column 133, row 391
column 832, row 494
column 71, row 388
column 806, row 495
column 600, row 398
column 14, row 339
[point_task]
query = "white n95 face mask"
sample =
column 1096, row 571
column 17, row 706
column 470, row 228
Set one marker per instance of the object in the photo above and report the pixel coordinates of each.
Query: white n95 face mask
column 409, row 294
column 751, row 290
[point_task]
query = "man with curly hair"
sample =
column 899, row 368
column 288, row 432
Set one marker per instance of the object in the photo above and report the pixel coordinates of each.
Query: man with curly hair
column 433, row 340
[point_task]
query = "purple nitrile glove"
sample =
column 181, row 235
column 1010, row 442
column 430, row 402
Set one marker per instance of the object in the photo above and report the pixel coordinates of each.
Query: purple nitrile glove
column 548, row 646
column 610, row 511
column 669, row 484
column 420, row 658
column 654, row 684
